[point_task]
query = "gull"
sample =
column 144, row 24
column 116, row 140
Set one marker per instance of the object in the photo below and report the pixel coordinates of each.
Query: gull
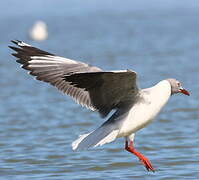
column 101, row 91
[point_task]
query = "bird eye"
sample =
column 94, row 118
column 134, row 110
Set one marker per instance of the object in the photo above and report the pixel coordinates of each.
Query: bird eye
column 179, row 84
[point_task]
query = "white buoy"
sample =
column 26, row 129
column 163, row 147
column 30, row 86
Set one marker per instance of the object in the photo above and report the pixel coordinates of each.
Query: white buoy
column 39, row 31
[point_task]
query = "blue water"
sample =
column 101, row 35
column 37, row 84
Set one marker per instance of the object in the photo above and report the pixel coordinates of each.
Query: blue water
column 37, row 123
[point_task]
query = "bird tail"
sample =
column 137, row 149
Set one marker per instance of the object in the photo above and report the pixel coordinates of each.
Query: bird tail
column 104, row 134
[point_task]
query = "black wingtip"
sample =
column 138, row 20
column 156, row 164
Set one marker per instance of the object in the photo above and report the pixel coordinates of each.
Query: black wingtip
column 16, row 41
column 26, row 51
column 13, row 48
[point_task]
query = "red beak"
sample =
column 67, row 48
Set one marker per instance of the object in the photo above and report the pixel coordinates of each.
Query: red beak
column 183, row 91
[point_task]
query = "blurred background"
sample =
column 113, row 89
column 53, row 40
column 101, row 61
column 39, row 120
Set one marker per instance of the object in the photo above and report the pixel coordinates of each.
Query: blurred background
column 158, row 39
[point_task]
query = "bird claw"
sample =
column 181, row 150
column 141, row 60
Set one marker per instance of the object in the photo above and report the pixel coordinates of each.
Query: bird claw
column 147, row 164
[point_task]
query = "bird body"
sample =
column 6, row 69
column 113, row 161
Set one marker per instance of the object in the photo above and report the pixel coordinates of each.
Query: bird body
column 125, row 122
column 145, row 110
column 103, row 92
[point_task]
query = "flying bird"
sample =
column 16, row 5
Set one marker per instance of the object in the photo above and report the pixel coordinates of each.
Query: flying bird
column 103, row 92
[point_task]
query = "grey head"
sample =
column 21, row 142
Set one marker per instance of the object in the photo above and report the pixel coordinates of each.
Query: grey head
column 176, row 87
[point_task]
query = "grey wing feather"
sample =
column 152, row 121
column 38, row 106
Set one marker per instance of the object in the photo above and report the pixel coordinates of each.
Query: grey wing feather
column 50, row 68
column 107, row 90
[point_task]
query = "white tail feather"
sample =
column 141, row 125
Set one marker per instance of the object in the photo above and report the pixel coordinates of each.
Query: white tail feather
column 111, row 137
column 77, row 141
column 106, row 133
column 94, row 139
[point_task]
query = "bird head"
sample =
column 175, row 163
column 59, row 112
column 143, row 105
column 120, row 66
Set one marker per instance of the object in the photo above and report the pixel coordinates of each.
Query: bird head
column 176, row 87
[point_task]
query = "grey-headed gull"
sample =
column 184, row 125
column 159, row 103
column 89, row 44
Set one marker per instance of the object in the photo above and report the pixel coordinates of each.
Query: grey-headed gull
column 103, row 92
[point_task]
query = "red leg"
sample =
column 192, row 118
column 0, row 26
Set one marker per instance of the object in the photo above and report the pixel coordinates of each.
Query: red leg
column 143, row 159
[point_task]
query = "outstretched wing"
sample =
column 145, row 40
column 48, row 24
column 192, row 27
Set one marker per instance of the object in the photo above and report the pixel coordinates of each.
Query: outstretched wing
column 88, row 85
column 107, row 90
column 50, row 68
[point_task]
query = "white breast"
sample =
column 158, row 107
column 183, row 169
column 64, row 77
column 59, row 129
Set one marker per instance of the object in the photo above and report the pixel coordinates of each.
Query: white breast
column 148, row 106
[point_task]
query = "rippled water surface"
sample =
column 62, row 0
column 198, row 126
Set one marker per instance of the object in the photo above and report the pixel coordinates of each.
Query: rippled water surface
column 38, row 124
